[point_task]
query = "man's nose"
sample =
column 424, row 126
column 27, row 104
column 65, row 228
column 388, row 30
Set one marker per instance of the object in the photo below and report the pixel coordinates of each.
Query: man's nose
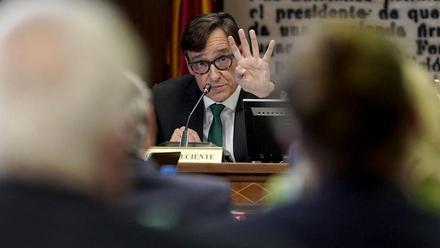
column 214, row 75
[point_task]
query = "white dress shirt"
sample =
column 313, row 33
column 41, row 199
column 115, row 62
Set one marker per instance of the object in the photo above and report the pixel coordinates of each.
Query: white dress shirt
column 227, row 116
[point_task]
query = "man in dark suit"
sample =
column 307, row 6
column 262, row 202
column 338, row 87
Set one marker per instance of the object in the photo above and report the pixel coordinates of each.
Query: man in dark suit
column 359, row 122
column 209, row 43
column 63, row 142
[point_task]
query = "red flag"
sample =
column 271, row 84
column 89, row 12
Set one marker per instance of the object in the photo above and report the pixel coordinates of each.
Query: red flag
column 181, row 12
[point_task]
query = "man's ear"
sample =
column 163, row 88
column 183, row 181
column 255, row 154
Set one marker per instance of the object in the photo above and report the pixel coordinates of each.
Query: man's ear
column 113, row 165
column 187, row 65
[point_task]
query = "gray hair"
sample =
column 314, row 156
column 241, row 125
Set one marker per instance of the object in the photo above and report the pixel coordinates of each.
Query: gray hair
column 137, row 110
column 62, row 85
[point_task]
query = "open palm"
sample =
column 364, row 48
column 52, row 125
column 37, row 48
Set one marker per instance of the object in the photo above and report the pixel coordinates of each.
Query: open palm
column 252, row 72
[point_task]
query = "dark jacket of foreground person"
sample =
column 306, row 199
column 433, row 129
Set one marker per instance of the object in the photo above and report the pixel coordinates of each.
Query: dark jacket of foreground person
column 346, row 212
column 43, row 216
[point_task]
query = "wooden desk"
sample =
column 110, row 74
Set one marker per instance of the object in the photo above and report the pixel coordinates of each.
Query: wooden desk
column 249, row 189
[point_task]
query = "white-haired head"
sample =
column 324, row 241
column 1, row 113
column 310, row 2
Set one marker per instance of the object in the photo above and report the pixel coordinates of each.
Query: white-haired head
column 137, row 112
column 62, row 87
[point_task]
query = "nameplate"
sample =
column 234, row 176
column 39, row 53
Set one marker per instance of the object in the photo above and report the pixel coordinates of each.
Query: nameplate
column 191, row 154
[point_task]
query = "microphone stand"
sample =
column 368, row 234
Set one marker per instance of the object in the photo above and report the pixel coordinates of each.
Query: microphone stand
column 184, row 139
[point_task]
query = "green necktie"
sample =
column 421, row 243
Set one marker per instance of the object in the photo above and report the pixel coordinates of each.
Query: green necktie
column 216, row 129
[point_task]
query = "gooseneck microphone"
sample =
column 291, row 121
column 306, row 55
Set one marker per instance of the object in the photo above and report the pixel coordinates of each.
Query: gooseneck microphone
column 184, row 139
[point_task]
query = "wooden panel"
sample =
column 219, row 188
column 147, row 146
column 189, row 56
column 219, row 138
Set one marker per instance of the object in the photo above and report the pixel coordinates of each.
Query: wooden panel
column 249, row 188
column 149, row 19
column 250, row 194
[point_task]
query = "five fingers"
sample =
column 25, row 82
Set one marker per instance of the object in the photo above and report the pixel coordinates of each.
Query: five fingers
column 254, row 46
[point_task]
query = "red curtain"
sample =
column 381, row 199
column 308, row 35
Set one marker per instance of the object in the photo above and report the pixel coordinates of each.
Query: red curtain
column 181, row 12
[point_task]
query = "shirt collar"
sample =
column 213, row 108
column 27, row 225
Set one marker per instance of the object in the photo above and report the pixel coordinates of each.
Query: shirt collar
column 230, row 102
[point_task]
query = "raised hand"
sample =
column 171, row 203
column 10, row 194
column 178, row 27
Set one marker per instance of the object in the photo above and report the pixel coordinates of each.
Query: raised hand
column 252, row 72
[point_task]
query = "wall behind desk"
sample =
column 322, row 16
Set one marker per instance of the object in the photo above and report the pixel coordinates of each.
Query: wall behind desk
column 414, row 23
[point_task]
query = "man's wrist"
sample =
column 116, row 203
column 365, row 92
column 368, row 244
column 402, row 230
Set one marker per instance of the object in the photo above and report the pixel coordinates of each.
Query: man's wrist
column 270, row 86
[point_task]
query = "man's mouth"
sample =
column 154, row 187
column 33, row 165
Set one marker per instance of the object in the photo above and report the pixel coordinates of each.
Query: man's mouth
column 216, row 87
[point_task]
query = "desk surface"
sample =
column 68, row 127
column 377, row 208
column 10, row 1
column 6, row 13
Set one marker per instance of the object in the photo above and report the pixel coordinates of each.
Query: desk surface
column 235, row 168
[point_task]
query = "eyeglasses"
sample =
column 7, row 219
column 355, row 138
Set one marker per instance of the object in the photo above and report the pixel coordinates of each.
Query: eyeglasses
column 202, row 66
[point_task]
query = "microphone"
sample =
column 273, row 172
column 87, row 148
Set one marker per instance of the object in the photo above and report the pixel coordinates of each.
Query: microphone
column 184, row 139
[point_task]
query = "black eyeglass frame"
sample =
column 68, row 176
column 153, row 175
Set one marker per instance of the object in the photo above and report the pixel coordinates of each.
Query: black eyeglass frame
column 212, row 62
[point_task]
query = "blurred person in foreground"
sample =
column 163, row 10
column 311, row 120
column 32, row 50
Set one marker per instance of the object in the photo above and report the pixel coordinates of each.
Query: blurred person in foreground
column 358, row 122
column 424, row 172
column 216, row 53
column 422, row 178
column 63, row 130
column 167, row 201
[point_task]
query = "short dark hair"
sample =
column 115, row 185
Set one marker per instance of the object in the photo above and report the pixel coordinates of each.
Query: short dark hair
column 199, row 28
column 349, row 96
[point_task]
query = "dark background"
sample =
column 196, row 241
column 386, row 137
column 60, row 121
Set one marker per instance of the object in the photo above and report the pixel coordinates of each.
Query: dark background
column 150, row 19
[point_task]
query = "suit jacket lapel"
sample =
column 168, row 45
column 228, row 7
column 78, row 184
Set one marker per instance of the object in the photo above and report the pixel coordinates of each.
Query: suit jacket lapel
column 240, row 147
